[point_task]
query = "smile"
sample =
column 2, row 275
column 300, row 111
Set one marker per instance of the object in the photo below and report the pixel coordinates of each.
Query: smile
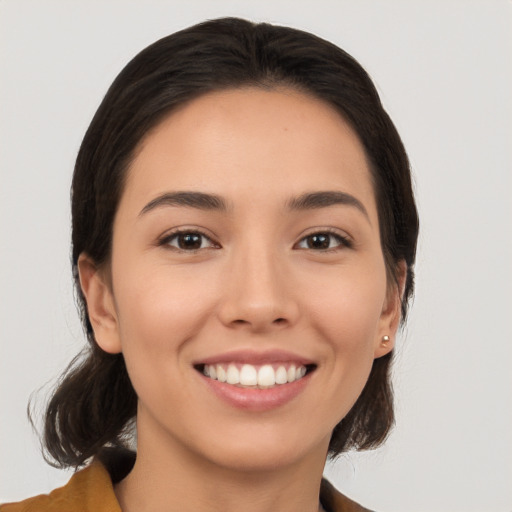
column 256, row 376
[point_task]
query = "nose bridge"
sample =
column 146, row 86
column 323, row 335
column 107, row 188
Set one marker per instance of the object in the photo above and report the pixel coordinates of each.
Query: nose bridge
column 258, row 294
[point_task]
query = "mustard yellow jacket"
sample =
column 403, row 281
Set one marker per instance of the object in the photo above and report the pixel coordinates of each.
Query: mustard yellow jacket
column 92, row 490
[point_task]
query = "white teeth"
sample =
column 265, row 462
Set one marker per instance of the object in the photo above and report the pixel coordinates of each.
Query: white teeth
column 248, row 375
column 232, row 375
column 265, row 376
column 221, row 373
column 281, row 375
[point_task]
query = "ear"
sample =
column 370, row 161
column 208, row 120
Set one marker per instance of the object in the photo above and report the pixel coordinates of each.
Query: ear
column 391, row 313
column 100, row 304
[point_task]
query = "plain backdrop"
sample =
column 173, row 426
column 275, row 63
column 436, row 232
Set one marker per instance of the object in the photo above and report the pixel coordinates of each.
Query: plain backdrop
column 444, row 71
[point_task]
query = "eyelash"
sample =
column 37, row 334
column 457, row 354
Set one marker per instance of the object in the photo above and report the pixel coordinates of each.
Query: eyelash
column 342, row 241
column 166, row 240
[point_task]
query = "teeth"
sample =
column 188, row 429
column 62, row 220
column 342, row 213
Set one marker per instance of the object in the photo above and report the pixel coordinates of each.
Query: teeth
column 281, row 375
column 248, row 375
column 266, row 376
column 233, row 375
column 221, row 373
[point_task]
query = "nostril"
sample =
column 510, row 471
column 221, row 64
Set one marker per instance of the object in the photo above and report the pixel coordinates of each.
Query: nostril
column 259, row 323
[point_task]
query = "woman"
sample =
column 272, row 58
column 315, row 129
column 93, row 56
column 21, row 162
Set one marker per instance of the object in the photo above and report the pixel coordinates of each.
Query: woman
column 244, row 235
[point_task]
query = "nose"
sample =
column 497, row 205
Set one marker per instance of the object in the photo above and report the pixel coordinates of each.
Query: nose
column 258, row 293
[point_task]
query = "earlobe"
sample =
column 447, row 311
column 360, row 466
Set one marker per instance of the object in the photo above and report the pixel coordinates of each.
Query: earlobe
column 100, row 305
column 391, row 314
column 384, row 346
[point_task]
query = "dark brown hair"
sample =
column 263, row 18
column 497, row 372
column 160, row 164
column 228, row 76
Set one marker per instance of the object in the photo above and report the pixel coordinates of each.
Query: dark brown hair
column 94, row 403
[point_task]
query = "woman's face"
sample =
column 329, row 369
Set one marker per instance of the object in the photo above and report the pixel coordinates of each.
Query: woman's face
column 246, row 246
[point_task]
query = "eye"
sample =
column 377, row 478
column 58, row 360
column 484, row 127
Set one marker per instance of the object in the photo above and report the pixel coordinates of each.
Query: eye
column 323, row 241
column 188, row 241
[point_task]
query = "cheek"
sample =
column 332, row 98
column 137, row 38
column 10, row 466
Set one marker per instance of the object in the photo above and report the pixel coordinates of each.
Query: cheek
column 346, row 310
column 349, row 301
column 349, row 323
column 159, row 309
column 158, row 313
column 159, row 304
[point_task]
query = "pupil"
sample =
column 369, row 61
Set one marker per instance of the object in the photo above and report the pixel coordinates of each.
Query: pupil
column 319, row 241
column 189, row 241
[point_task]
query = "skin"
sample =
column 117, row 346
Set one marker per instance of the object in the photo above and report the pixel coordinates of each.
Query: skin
column 256, row 283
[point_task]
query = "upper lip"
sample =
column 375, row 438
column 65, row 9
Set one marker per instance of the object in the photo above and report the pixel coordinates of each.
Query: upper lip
column 255, row 358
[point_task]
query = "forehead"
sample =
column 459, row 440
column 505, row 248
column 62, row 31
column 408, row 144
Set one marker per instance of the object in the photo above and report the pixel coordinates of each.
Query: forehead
column 251, row 141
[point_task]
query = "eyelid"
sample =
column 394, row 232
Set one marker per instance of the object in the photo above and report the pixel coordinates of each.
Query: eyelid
column 164, row 239
column 345, row 241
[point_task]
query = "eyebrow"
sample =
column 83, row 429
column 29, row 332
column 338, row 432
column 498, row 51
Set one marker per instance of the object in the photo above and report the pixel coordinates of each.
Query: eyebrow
column 324, row 199
column 198, row 200
column 203, row 201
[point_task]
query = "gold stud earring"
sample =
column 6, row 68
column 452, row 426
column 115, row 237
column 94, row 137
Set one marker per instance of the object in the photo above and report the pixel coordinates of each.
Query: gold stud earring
column 385, row 339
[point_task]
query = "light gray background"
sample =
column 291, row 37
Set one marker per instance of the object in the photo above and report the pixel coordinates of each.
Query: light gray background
column 444, row 70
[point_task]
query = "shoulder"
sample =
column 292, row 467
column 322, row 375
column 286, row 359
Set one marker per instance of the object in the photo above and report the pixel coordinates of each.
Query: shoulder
column 333, row 501
column 88, row 490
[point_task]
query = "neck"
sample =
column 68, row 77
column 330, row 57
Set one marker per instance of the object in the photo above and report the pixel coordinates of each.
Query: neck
column 168, row 477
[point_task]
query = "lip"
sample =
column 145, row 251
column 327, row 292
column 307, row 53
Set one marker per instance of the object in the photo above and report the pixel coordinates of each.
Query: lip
column 257, row 400
column 253, row 399
column 256, row 358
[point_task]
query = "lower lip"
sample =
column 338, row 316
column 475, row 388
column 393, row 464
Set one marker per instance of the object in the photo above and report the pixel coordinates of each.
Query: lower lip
column 253, row 399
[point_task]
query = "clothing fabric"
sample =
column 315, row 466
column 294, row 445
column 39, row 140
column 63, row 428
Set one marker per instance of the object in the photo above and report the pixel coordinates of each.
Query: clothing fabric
column 92, row 490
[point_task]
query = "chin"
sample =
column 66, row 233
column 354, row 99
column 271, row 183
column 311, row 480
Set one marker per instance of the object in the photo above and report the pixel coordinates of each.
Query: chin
column 266, row 452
